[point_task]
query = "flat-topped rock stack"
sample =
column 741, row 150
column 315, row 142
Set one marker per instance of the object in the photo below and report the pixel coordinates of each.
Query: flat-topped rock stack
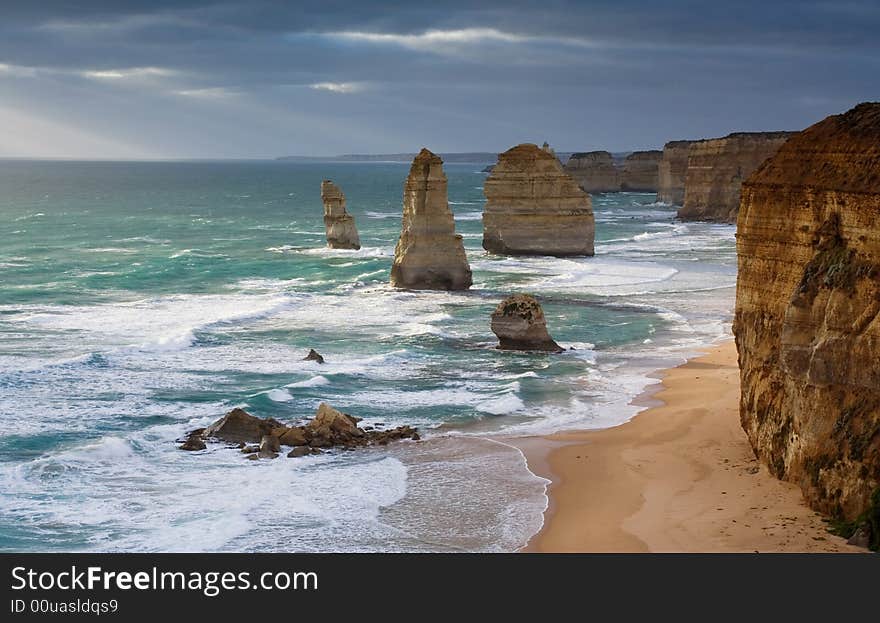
column 429, row 254
column 594, row 171
column 533, row 207
column 640, row 171
column 339, row 224
column 671, row 172
column 717, row 168
column 807, row 319
column 519, row 324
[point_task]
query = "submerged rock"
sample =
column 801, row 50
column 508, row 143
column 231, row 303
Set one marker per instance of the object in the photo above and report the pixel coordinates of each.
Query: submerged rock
column 339, row 224
column 519, row 323
column 533, row 207
column 299, row 451
column 429, row 254
column 314, row 356
column 240, row 426
column 194, row 441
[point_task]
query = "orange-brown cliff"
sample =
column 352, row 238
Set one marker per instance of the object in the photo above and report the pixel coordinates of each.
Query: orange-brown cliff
column 671, row 172
column 716, row 169
column 807, row 320
column 640, row 171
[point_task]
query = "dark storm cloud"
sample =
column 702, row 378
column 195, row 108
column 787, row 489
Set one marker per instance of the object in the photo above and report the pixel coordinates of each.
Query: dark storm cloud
column 244, row 78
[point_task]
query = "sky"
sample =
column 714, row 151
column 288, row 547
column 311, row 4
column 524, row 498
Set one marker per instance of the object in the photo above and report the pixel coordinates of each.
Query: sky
column 261, row 79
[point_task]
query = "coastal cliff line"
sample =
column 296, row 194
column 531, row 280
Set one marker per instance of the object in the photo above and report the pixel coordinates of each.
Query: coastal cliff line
column 716, row 169
column 807, row 319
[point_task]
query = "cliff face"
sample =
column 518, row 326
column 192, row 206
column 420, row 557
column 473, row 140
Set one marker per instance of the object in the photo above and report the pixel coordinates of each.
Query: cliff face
column 807, row 320
column 671, row 172
column 717, row 168
column 640, row 171
column 340, row 227
column 429, row 254
column 594, row 171
column 533, row 207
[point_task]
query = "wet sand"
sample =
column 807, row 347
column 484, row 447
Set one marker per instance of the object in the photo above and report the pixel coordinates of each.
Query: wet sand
column 679, row 477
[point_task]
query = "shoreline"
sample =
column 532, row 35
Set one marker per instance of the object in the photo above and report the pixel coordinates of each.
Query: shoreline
column 678, row 477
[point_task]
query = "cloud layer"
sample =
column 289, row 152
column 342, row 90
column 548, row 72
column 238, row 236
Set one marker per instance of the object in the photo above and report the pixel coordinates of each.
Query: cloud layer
column 232, row 78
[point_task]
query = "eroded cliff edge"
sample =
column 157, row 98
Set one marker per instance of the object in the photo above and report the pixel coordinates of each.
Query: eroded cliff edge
column 533, row 207
column 671, row 172
column 716, row 170
column 640, row 171
column 594, row 171
column 807, row 319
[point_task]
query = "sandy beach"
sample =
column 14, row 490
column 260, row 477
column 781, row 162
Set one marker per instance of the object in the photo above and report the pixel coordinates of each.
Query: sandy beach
column 679, row 477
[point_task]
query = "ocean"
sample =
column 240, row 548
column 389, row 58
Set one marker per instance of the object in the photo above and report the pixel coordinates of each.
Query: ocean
column 141, row 300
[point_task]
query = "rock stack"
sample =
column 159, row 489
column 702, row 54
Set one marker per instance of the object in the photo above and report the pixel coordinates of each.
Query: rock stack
column 429, row 254
column 519, row 323
column 671, row 172
column 640, row 171
column 341, row 230
column 533, row 207
column 594, row 171
column 717, row 168
column 807, row 319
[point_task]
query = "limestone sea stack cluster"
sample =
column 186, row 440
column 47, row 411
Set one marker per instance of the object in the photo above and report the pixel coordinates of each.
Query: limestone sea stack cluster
column 429, row 254
column 717, row 168
column 807, row 319
column 671, row 172
column 533, row 207
column 519, row 323
column 339, row 224
column 640, row 171
column 594, row 171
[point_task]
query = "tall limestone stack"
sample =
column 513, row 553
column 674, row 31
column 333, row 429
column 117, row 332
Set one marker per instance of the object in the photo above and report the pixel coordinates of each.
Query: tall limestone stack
column 671, row 172
column 533, row 207
column 717, row 168
column 640, row 171
column 807, row 320
column 429, row 254
column 594, row 171
column 341, row 230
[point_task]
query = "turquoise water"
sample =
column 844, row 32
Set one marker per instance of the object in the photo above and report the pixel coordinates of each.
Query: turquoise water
column 140, row 300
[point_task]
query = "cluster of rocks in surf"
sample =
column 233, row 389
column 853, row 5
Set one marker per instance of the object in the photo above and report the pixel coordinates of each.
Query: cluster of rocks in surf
column 260, row 438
